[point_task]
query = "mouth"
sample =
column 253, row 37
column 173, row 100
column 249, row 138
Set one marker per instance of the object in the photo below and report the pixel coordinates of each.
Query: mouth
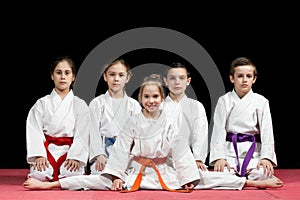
column 177, row 88
column 151, row 106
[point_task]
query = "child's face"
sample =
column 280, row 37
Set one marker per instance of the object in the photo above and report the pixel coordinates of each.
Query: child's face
column 243, row 79
column 116, row 77
column 151, row 98
column 177, row 80
column 63, row 76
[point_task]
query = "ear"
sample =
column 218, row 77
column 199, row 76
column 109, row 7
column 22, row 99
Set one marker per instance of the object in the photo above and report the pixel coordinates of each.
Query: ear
column 165, row 80
column 128, row 77
column 188, row 81
column 231, row 78
column 254, row 79
column 104, row 77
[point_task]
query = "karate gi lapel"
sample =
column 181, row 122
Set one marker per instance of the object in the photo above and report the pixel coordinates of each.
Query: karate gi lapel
column 240, row 105
column 59, row 109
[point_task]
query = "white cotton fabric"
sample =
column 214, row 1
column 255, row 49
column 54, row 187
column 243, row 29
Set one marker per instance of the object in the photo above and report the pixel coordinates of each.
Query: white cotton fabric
column 249, row 115
column 58, row 118
column 108, row 116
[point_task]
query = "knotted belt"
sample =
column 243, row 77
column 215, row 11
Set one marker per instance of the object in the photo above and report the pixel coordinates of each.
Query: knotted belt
column 239, row 137
column 108, row 142
column 148, row 162
column 59, row 141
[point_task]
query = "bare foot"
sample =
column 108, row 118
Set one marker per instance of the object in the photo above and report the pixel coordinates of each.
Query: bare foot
column 34, row 184
column 268, row 183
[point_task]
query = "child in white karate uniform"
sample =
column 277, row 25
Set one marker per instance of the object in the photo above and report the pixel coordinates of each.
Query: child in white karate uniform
column 242, row 138
column 192, row 115
column 109, row 113
column 151, row 154
column 57, row 128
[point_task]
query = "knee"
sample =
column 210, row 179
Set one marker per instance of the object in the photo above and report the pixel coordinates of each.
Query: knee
column 257, row 174
column 67, row 173
column 46, row 175
column 93, row 169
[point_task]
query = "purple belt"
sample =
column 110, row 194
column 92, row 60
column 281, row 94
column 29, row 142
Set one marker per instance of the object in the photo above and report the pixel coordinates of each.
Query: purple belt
column 239, row 137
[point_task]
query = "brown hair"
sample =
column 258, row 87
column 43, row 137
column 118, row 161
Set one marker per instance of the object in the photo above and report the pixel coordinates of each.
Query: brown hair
column 241, row 61
column 69, row 61
column 178, row 65
column 153, row 79
column 118, row 60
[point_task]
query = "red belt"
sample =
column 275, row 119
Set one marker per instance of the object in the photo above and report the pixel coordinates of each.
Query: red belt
column 59, row 141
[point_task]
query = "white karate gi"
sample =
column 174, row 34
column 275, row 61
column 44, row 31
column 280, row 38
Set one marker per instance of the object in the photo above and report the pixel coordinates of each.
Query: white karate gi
column 193, row 122
column 190, row 116
column 52, row 116
column 249, row 115
column 108, row 116
column 148, row 138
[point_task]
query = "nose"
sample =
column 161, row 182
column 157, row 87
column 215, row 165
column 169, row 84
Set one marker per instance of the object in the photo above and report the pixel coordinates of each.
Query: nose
column 151, row 100
column 63, row 75
column 117, row 78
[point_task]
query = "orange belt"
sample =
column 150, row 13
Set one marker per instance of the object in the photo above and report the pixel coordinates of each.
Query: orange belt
column 148, row 162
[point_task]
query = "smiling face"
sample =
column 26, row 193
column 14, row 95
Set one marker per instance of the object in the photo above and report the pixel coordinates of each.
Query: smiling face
column 151, row 98
column 243, row 79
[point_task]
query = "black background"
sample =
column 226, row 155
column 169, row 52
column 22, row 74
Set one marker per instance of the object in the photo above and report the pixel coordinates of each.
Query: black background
column 34, row 37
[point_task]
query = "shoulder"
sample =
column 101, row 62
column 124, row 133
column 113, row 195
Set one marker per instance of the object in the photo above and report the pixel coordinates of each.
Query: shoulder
column 40, row 103
column 79, row 100
column 98, row 100
column 195, row 108
column 259, row 96
column 260, row 99
column 80, row 105
column 132, row 100
column 225, row 99
column 194, row 102
column 43, row 100
column 226, row 96
column 129, row 98
column 132, row 103
column 195, row 105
